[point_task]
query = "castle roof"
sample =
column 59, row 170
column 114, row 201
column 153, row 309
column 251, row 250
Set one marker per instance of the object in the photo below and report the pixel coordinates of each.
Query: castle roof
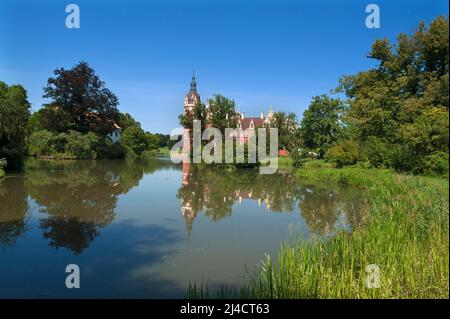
column 257, row 122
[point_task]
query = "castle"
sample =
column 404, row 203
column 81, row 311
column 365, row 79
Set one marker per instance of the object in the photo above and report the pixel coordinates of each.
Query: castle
column 248, row 125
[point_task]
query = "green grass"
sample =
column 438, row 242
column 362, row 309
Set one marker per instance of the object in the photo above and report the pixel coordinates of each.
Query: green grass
column 284, row 161
column 406, row 235
column 164, row 151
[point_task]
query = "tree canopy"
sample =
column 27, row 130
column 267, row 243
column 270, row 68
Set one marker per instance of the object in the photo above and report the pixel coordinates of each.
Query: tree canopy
column 321, row 125
column 14, row 114
column 79, row 101
column 400, row 107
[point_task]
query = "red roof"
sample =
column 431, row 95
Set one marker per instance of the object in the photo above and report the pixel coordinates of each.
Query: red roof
column 257, row 122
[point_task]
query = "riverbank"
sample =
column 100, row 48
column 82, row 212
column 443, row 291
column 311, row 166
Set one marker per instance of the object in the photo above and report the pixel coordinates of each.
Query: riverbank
column 406, row 236
column 2, row 173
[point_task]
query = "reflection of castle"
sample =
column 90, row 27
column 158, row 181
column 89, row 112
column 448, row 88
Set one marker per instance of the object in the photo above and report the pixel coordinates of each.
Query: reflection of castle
column 248, row 125
column 197, row 192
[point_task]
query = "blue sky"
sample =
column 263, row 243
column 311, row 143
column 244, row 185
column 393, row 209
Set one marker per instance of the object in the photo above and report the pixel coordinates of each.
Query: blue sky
column 260, row 53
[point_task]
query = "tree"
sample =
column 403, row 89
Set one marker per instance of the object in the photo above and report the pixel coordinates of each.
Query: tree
column 153, row 141
column 126, row 121
column 79, row 101
column 287, row 126
column 322, row 124
column 400, row 107
column 134, row 140
column 14, row 114
column 222, row 113
column 199, row 114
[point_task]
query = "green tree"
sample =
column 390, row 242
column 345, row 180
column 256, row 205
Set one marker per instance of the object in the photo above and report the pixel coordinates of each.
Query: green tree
column 200, row 114
column 14, row 114
column 287, row 126
column 400, row 107
column 222, row 113
column 134, row 140
column 153, row 141
column 322, row 124
column 126, row 121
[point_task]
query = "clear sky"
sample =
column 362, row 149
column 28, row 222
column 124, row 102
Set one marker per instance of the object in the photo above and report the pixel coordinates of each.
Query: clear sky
column 259, row 53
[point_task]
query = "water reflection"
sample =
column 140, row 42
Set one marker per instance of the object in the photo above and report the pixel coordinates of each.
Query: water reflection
column 78, row 197
column 325, row 209
column 13, row 210
column 126, row 224
column 76, row 200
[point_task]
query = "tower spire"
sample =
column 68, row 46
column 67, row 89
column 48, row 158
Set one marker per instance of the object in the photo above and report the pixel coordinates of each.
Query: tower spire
column 193, row 83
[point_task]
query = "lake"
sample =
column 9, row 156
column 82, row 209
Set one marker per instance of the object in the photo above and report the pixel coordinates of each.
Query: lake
column 145, row 228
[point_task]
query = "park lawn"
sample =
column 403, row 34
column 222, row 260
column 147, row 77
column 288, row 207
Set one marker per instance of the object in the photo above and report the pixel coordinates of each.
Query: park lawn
column 406, row 236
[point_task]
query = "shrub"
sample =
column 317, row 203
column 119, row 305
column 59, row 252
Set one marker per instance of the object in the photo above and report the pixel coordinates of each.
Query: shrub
column 72, row 144
column 297, row 158
column 3, row 163
column 435, row 164
column 81, row 145
column 345, row 153
column 107, row 149
column 40, row 143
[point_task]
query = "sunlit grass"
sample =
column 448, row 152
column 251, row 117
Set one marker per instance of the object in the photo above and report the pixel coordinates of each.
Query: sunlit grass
column 407, row 236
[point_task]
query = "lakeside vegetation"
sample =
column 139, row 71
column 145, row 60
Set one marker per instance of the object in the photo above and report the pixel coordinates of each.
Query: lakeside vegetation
column 407, row 236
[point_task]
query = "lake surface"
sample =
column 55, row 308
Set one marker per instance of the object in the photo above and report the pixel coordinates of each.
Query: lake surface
column 146, row 227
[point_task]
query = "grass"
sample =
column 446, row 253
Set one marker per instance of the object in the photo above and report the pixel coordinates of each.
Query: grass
column 406, row 236
column 164, row 151
column 2, row 173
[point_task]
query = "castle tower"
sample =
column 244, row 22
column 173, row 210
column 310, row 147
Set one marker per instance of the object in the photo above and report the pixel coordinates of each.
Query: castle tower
column 192, row 98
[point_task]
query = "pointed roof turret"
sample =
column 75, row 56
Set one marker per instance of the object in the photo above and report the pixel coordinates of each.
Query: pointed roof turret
column 193, row 84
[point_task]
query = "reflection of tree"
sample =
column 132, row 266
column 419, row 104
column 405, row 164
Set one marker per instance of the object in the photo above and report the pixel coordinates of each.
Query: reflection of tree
column 13, row 210
column 80, row 197
column 323, row 207
column 214, row 193
column 71, row 233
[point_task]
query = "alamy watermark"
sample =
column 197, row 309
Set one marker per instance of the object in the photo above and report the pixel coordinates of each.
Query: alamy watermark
column 73, row 279
column 233, row 151
column 373, row 19
column 73, row 17
column 373, row 276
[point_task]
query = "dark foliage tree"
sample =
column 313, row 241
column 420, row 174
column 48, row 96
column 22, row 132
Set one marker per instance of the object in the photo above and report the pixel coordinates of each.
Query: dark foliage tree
column 79, row 101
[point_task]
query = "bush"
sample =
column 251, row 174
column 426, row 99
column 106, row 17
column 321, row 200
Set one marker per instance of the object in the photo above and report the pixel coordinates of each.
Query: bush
column 41, row 143
column 297, row 158
column 345, row 153
column 81, row 145
column 3, row 163
column 435, row 164
column 72, row 144
column 107, row 149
